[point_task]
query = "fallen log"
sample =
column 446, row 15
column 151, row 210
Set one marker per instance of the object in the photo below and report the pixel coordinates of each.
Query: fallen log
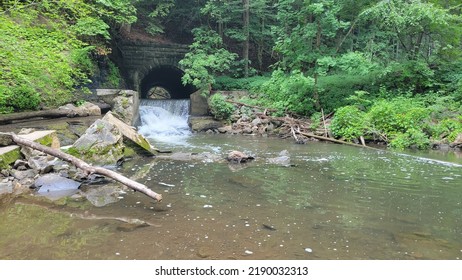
column 85, row 166
column 54, row 113
column 334, row 140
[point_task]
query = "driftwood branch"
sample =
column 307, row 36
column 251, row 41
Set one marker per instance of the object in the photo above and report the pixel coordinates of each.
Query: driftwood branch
column 85, row 166
column 333, row 140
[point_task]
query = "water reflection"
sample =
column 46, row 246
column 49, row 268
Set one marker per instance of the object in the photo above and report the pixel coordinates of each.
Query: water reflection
column 333, row 202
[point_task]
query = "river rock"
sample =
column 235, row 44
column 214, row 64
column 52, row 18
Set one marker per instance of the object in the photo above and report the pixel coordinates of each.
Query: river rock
column 40, row 164
column 458, row 142
column 183, row 156
column 283, row 159
column 102, row 143
column 201, row 124
column 123, row 108
column 54, row 186
column 23, row 174
column 238, row 157
column 104, row 195
column 84, row 110
column 6, row 187
column 134, row 139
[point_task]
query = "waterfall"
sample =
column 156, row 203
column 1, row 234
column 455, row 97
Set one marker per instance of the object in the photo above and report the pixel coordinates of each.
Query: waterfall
column 164, row 120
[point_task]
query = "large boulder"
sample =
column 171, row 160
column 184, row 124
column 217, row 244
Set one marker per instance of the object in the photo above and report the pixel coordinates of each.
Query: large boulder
column 106, row 141
column 124, row 103
column 201, row 124
column 84, row 110
column 124, row 108
column 131, row 137
column 102, row 143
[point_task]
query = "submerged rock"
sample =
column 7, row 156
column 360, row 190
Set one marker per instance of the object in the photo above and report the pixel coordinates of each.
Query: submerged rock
column 54, row 186
column 283, row 159
column 104, row 195
column 238, row 157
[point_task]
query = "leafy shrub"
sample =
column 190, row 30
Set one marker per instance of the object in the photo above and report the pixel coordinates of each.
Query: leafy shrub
column 336, row 89
column 414, row 138
column 397, row 115
column 289, row 93
column 113, row 76
column 410, row 76
column 348, row 123
column 219, row 108
column 401, row 122
column 230, row 83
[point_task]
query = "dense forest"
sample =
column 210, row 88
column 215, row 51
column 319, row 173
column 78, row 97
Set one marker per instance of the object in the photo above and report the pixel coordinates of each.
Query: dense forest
column 390, row 70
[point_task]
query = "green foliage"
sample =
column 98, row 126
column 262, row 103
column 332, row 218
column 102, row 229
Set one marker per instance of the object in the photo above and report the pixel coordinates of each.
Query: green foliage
column 90, row 26
column 447, row 128
column 206, row 59
column 302, row 42
column 397, row 115
column 412, row 22
column 157, row 11
column 409, row 76
column 43, row 56
column 19, row 98
column 219, row 108
column 349, row 123
column 113, row 77
column 413, row 138
column 230, row 83
column 289, row 93
column 337, row 90
column 35, row 62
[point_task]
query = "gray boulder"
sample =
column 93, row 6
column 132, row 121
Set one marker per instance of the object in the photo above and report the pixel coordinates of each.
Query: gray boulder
column 102, row 143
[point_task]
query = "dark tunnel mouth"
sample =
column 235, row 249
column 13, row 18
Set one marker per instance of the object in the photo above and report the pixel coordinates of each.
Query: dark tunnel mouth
column 169, row 78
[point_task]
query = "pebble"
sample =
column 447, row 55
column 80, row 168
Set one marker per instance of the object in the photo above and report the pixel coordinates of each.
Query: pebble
column 248, row 252
column 308, row 250
column 208, row 206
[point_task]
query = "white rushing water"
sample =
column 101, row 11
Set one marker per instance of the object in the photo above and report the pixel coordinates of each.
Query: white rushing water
column 165, row 120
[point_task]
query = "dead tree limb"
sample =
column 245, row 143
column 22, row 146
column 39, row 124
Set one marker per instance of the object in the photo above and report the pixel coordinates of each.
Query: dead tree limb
column 333, row 140
column 85, row 166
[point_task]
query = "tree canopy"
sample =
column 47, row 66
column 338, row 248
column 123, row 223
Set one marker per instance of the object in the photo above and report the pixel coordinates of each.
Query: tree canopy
column 297, row 56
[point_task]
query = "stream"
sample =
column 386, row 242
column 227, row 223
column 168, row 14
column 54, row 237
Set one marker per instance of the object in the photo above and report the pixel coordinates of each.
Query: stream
column 331, row 202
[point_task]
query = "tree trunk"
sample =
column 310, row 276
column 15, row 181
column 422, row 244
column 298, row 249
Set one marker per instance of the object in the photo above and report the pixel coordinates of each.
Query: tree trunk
column 85, row 166
column 245, row 50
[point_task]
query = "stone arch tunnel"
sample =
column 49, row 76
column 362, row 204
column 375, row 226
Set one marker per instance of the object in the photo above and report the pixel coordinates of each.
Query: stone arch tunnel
column 168, row 78
column 148, row 66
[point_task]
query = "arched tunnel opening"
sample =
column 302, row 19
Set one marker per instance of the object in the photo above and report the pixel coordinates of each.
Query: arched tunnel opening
column 164, row 82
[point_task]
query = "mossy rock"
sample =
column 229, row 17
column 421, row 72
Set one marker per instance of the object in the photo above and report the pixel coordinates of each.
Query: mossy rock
column 9, row 155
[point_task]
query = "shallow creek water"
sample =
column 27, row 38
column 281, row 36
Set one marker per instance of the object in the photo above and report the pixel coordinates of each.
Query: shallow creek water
column 333, row 202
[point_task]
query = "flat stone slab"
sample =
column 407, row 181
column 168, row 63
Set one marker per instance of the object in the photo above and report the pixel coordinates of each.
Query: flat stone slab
column 44, row 137
column 10, row 154
column 130, row 133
